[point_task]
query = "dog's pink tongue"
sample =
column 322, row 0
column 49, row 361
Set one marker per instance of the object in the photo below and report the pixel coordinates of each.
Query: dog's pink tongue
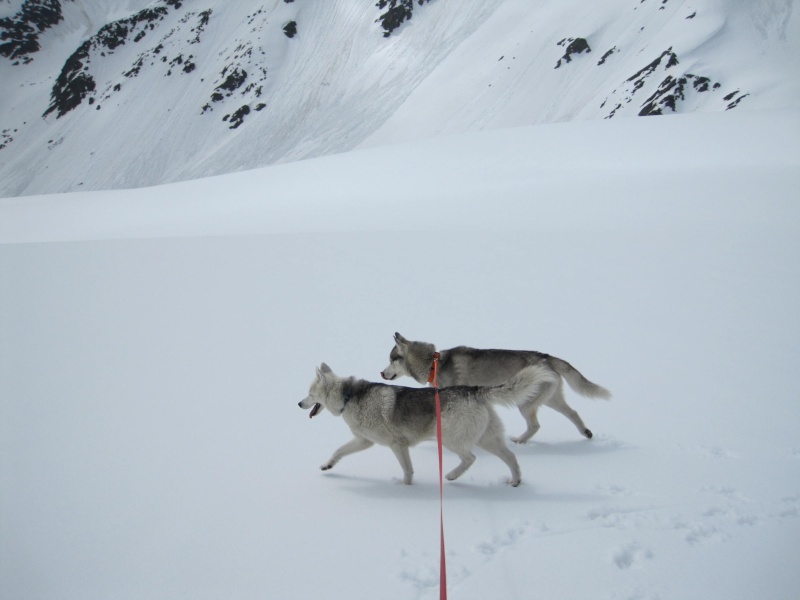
column 314, row 410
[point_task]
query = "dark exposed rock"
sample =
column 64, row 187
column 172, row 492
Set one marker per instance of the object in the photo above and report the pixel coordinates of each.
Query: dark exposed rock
column 674, row 89
column 666, row 96
column 136, row 68
column 736, row 102
column 575, row 46
column 398, row 12
column 290, row 29
column 5, row 138
column 237, row 118
column 233, row 81
column 606, row 56
column 116, row 34
column 186, row 63
column 75, row 82
column 243, row 77
column 198, row 29
column 671, row 60
column 253, row 88
column 19, row 35
column 671, row 91
column 251, row 18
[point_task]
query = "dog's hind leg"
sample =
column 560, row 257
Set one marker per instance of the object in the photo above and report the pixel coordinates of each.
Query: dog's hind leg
column 497, row 446
column 528, row 412
column 401, row 452
column 529, row 409
column 559, row 404
column 467, row 458
column 357, row 444
column 493, row 440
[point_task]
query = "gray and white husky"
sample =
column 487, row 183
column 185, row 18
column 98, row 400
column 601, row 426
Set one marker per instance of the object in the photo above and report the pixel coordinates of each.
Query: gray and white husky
column 470, row 366
column 401, row 417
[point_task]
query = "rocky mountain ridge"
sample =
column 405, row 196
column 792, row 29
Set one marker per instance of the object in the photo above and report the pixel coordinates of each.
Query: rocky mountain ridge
column 200, row 87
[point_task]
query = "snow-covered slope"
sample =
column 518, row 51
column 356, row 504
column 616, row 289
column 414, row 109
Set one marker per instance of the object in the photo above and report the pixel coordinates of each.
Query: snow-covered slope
column 121, row 94
column 452, row 183
column 150, row 440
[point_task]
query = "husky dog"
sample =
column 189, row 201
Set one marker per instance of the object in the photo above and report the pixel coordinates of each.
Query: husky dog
column 470, row 366
column 401, row 417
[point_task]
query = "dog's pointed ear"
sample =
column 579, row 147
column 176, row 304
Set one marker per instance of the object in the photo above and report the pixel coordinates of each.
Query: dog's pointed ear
column 400, row 339
column 325, row 369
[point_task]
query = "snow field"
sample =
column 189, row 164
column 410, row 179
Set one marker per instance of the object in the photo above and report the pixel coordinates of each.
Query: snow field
column 155, row 344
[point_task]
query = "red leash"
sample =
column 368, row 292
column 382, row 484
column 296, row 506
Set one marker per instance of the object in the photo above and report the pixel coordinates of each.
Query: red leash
column 442, row 565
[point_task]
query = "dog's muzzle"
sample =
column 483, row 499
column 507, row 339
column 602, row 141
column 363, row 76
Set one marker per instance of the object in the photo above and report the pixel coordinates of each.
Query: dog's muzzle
column 314, row 409
column 393, row 377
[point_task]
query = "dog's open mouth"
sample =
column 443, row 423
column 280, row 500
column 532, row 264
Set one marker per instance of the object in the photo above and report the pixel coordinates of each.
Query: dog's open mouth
column 315, row 410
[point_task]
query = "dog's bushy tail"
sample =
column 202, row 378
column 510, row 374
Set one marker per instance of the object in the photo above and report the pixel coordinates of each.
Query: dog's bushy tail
column 528, row 383
column 576, row 381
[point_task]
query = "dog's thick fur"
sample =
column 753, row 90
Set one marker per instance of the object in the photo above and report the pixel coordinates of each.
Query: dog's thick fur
column 470, row 366
column 401, row 417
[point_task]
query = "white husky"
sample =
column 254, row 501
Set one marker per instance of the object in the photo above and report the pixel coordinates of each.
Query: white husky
column 401, row 417
column 470, row 366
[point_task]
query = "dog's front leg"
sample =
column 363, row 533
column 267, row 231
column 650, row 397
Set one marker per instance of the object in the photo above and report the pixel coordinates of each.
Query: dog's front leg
column 357, row 444
column 401, row 452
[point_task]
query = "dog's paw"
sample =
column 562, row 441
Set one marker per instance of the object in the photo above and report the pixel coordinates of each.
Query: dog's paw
column 519, row 440
column 326, row 467
column 514, row 482
column 588, row 433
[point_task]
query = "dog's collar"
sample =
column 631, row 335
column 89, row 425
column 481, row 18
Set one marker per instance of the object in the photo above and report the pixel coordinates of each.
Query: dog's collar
column 432, row 374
